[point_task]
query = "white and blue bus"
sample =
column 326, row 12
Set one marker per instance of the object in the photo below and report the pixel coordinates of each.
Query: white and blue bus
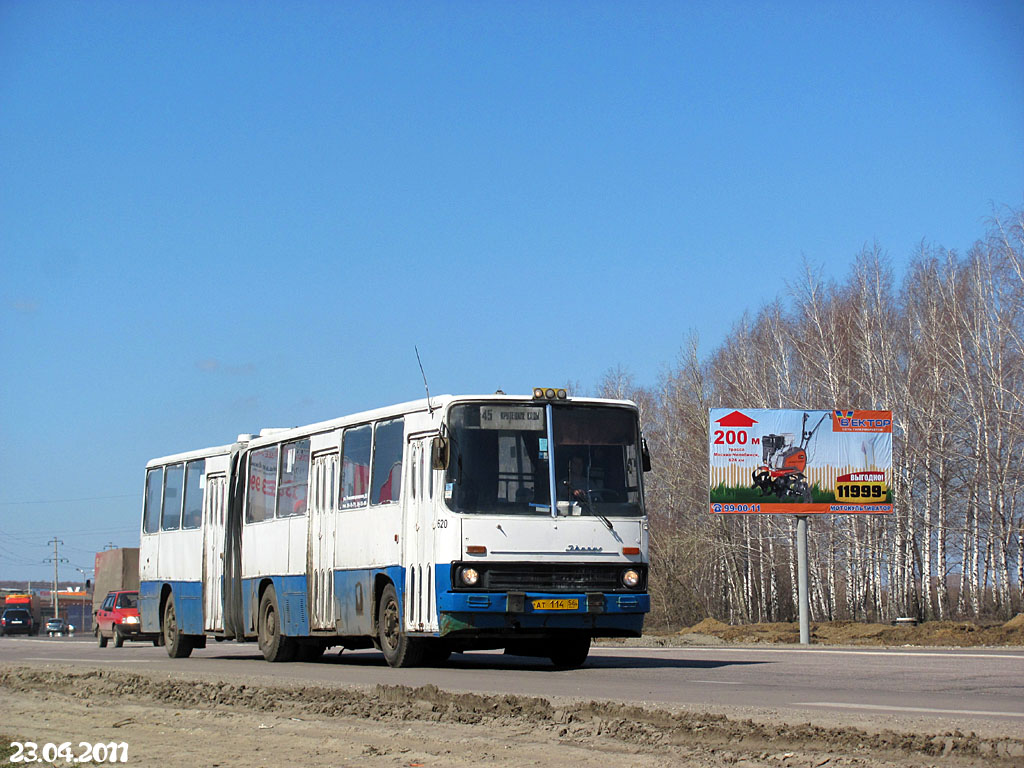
column 420, row 529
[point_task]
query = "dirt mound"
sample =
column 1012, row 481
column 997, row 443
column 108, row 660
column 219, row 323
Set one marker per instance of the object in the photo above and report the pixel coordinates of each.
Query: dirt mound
column 747, row 633
column 707, row 627
column 1017, row 622
column 640, row 727
column 958, row 634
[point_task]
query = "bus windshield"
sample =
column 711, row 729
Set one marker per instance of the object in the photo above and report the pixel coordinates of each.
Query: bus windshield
column 500, row 458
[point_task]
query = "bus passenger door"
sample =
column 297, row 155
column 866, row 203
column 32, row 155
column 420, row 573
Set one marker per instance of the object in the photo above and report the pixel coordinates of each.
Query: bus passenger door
column 323, row 507
column 214, row 515
column 420, row 590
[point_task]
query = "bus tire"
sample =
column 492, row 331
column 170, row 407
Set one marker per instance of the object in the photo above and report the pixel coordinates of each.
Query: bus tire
column 275, row 646
column 399, row 649
column 101, row 641
column 178, row 646
column 309, row 652
column 570, row 652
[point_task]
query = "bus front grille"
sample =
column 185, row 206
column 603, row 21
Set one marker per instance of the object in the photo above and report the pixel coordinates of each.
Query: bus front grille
column 550, row 577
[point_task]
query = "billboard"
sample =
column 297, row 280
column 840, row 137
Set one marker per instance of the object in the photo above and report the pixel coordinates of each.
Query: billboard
column 800, row 462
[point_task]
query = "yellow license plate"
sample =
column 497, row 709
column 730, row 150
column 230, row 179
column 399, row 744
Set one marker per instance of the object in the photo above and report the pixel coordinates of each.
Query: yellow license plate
column 556, row 605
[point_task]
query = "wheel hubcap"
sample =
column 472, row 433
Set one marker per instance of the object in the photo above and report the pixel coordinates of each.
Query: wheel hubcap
column 391, row 624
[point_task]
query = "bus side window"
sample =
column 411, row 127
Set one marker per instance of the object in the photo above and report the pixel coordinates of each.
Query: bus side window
column 386, row 477
column 332, row 485
column 414, row 461
column 195, row 472
column 174, row 479
column 262, row 490
column 291, row 492
column 151, row 514
column 428, row 470
column 355, row 467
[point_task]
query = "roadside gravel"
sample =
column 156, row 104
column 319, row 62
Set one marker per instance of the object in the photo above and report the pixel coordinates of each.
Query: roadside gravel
column 171, row 721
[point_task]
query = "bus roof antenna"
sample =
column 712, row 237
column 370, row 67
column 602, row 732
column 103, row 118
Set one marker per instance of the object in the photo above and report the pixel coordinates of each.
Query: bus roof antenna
column 430, row 408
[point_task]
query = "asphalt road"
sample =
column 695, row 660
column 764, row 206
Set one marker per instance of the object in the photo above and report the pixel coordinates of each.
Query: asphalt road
column 906, row 688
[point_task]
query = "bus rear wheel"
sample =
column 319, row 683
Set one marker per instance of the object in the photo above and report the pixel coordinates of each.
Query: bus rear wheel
column 399, row 649
column 275, row 646
column 178, row 646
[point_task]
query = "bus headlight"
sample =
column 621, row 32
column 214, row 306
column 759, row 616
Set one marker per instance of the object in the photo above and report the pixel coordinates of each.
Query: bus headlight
column 469, row 576
column 630, row 578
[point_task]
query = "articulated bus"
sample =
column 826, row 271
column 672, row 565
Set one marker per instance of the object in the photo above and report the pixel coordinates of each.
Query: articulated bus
column 443, row 525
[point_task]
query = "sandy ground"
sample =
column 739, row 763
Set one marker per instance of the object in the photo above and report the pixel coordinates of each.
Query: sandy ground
column 173, row 722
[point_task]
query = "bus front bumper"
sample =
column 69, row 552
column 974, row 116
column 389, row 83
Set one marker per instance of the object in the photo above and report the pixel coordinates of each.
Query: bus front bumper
column 599, row 614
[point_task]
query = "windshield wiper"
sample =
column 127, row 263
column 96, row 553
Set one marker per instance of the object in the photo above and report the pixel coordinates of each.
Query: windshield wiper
column 595, row 513
column 588, row 504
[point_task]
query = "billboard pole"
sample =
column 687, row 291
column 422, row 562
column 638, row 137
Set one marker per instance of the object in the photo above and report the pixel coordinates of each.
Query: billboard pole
column 801, row 564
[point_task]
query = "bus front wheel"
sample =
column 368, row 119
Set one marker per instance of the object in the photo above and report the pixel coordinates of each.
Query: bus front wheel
column 275, row 646
column 399, row 649
column 570, row 652
column 178, row 646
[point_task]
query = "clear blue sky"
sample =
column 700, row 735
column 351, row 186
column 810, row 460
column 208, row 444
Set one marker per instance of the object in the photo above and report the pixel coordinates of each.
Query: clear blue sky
column 217, row 217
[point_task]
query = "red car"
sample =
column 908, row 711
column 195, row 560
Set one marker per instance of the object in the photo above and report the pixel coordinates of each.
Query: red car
column 118, row 618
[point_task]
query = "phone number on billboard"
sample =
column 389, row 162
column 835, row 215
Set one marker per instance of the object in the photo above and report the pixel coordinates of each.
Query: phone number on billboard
column 717, row 508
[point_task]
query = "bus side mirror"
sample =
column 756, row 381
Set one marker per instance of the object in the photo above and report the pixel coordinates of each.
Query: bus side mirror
column 645, row 456
column 439, row 453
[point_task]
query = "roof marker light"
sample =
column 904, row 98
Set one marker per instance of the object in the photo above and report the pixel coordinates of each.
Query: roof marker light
column 550, row 393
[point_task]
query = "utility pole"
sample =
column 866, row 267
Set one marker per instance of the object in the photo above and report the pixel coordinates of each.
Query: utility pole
column 56, row 560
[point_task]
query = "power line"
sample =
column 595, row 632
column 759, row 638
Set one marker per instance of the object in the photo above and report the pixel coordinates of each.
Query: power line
column 25, row 541
column 15, row 559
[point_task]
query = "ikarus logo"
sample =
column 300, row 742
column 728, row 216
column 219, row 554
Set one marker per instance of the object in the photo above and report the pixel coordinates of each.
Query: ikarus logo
column 577, row 548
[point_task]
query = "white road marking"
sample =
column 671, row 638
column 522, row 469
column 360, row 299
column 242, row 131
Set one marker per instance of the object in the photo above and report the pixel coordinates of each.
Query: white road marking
column 716, row 682
column 91, row 661
column 887, row 707
column 725, row 649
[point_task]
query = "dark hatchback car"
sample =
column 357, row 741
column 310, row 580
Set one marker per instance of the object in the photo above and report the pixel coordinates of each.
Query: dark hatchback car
column 17, row 621
column 57, row 627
